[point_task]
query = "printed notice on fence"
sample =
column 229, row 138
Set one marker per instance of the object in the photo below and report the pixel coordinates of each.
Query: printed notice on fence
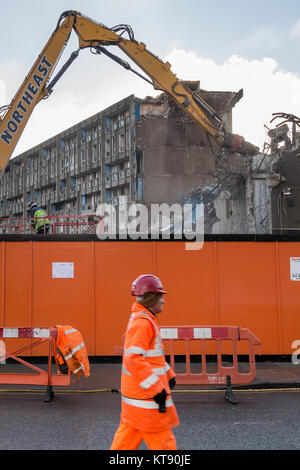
column 63, row 270
column 295, row 269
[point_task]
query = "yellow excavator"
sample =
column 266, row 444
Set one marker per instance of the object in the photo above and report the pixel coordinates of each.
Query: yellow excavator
column 37, row 84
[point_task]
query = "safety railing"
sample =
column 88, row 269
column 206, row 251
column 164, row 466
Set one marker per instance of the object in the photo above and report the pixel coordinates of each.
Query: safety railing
column 39, row 376
column 59, row 224
column 226, row 374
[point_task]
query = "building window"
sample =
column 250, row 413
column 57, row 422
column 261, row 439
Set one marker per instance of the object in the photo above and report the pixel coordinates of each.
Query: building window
column 139, row 188
column 83, row 135
column 107, row 148
column 139, row 161
column 113, row 146
column 121, row 142
column 95, row 153
column 128, row 139
column 107, row 125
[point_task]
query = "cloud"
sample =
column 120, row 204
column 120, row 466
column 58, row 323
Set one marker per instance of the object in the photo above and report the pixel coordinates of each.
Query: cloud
column 267, row 88
column 295, row 30
column 266, row 37
column 95, row 83
column 2, row 93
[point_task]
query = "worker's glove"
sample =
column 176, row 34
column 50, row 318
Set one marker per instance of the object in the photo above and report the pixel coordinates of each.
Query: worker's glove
column 160, row 399
column 172, row 383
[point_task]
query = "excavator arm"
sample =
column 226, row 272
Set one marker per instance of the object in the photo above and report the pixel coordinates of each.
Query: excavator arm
column 97, row 36
column 16, row 115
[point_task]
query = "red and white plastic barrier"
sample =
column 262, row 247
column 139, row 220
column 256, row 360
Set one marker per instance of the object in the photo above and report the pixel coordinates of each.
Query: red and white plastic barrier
column 46, row 336
column 216, row 332
column 28, row 332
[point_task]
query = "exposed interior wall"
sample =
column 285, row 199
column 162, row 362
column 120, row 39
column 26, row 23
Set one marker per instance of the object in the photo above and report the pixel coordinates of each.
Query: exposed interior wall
column 283, row 173
column 286, row 195
column 180, row 163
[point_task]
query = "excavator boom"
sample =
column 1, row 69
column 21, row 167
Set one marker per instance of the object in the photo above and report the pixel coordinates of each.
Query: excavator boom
column 31, row 91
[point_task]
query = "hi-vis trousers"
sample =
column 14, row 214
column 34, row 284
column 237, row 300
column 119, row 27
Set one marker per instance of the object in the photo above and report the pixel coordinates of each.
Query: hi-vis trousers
column 127, row 438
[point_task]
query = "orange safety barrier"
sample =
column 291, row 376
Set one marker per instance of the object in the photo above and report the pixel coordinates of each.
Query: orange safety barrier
column 40, row 377
column 226, row 375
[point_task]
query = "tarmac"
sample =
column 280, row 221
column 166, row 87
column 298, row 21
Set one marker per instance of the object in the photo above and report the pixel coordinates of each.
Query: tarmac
column 263, row 419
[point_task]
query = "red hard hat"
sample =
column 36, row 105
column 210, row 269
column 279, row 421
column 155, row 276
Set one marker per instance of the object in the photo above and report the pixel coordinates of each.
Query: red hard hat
column 147, row 283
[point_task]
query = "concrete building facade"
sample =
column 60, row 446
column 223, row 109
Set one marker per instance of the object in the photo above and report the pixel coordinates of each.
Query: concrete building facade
column 72, row 172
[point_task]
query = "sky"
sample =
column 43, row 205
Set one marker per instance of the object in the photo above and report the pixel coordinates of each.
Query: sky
column 227, row 45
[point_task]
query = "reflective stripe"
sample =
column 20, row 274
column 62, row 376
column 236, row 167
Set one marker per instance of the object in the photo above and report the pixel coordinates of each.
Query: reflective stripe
column 149, row 353
column 70, row 331
column 158, row 347
column 79, row 368
column 150, row 405
column 135, row 350
column 73, row 351
column 167, row 367
column 159, row 370
column 149, row 381
column 125, row 370
column 155, row 352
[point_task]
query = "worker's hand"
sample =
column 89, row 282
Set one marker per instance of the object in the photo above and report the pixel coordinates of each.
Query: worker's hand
column 160, row 399
column 172, row 383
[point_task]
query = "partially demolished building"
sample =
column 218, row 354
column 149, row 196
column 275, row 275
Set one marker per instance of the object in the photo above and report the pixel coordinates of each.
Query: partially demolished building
column 150, row 151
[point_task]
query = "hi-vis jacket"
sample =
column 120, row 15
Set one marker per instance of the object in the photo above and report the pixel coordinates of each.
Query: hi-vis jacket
column 144, row 374
column 40, row 222
column 71, row 352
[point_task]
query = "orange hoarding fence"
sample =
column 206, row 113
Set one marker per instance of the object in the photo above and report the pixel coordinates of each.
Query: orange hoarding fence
column 225, row 375
column 40, row 376
column 226, row 283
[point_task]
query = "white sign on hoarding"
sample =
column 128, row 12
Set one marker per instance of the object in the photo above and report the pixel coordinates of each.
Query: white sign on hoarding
column 63, row 270
column 295, row 268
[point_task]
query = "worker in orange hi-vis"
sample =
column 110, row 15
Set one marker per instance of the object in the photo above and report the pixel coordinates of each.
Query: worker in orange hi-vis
column 148, row 412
